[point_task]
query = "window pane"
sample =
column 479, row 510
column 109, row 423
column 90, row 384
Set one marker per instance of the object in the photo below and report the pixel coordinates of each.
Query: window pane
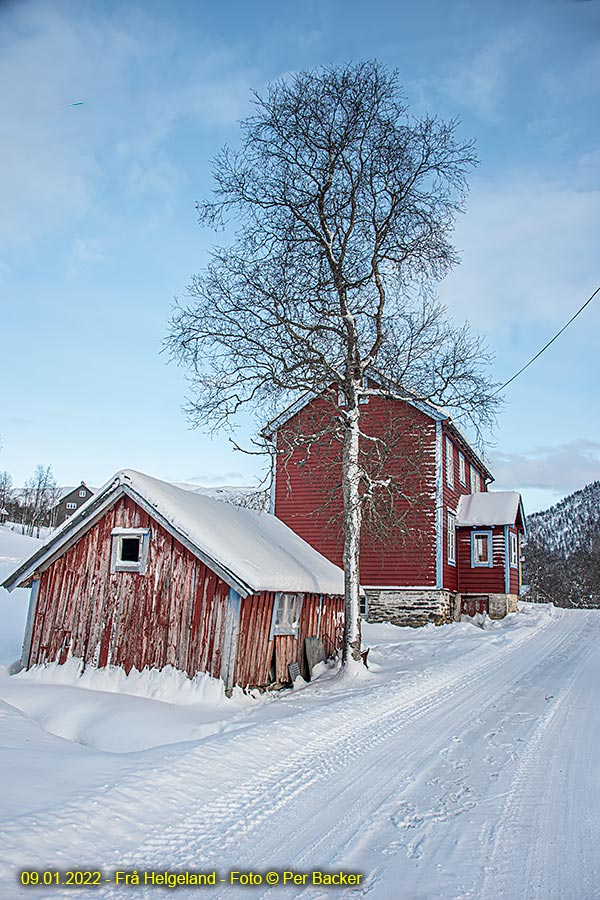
column 482, row 548
column 130, row 549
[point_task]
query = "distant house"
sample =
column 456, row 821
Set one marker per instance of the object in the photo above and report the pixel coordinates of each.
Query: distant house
column 423, row 571
column 71, row 499
column 3, row 515
column 146, row 574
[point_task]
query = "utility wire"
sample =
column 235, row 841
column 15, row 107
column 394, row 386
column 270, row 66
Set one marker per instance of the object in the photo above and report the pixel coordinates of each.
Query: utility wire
column 545, row 347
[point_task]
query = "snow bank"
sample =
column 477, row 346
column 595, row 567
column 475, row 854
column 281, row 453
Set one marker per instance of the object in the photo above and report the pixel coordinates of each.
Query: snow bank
column 13, row 607
column 168, row 685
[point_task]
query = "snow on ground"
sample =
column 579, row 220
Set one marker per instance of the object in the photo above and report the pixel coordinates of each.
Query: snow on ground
column 463, row 764
column 13, row 607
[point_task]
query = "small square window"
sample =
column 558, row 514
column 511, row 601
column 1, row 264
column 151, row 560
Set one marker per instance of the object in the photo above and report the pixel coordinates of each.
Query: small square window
column 130, row 550
column 71, row 505
column 286, row 614
column 83, row 493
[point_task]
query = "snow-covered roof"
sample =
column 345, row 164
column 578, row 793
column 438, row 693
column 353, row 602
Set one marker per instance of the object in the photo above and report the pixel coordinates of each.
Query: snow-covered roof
column 252, row 551
column 489, row 508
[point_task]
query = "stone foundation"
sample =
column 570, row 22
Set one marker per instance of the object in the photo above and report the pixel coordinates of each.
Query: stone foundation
column 501, row 604
column 412, row 607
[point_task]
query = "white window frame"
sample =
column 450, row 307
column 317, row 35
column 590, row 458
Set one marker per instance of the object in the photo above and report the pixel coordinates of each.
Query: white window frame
column 117, row 564
column 475, row 481
column 514, row 550
column 287, row 607
column 462, row 468
column 71, row 505
column 476, row 564
column 449, row 463
column 83, row 493
column 451, row 539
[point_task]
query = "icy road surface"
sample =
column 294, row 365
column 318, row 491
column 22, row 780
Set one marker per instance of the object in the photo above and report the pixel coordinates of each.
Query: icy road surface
column 466, row 764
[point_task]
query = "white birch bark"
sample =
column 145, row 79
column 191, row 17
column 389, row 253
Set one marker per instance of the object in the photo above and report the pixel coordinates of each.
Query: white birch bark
column 352, row 528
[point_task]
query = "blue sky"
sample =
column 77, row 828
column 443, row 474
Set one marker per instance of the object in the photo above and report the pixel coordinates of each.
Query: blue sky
column 98, row 226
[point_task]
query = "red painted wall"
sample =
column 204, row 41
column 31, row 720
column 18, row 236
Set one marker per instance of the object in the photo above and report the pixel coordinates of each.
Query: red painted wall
column 451, row 495
column 308, row 491
column 481, row 579
column 173, row 614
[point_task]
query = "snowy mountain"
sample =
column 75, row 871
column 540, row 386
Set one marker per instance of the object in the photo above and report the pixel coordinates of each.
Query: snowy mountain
column 562, row 555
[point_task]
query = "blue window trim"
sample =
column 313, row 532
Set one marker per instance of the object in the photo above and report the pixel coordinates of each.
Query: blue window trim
column 511, row 535
column 479, row 565
column 450, row 515
column 449, row 454
column 463, row 480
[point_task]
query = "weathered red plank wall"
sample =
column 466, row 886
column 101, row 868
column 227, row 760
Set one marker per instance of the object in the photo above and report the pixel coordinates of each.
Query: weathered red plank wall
column 174, row 614
column 308, row 492
column 255, row 651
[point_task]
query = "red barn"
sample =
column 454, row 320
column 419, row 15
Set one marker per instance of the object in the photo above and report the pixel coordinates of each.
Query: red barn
column 412, row 574
column 147, row 574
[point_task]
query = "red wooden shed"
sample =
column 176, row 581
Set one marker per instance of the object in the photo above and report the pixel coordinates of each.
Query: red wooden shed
column 147, row 574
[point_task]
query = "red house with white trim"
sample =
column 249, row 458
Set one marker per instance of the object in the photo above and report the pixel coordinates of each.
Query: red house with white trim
column 422, row 571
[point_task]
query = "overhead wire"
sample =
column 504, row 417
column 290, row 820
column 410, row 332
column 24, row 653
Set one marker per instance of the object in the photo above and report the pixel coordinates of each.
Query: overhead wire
column 545, row 347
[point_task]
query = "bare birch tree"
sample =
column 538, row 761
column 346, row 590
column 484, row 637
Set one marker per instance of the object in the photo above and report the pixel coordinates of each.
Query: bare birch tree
column 39, row 496
column 342, row 207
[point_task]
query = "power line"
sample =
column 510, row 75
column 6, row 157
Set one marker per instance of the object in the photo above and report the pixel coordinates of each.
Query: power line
column 545, row 347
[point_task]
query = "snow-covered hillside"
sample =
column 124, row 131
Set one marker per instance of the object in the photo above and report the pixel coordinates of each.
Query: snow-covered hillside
column 562, row 554
column 572, row 523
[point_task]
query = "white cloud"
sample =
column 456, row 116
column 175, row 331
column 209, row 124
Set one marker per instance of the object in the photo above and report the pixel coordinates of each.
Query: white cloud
column 84, row 252
column 480, row 83
column 530, row 253
column 138, row 80
column 559, row 470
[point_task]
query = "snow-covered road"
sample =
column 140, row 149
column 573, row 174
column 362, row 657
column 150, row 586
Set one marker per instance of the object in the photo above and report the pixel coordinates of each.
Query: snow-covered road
column 466, row 765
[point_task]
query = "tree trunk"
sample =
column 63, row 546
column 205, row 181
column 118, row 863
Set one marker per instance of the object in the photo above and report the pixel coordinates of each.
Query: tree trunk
column 352, row 526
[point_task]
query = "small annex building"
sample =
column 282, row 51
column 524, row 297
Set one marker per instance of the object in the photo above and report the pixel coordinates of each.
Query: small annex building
column 489, row 530
column 147, row 574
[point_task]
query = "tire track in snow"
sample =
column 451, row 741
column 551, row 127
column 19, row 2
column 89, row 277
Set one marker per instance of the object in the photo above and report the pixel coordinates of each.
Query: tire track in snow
column 232, row 821
column 534, row 850
column 231, row 826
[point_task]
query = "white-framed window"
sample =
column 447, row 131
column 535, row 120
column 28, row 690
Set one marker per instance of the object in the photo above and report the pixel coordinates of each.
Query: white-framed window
column 475, row 481
column 286, row 614
column 462, row 468
column 83, row 493
column 451, row 539
column 481, row 549
column 514, row 550
column 71, row 505
column 449, row 463
column 129, row 551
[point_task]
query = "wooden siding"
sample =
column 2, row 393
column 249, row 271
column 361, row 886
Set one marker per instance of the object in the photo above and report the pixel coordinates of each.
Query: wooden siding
column 480, row 579
column 451, row 496
column 174, row 614
column 257, row 651
column 308, row 491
